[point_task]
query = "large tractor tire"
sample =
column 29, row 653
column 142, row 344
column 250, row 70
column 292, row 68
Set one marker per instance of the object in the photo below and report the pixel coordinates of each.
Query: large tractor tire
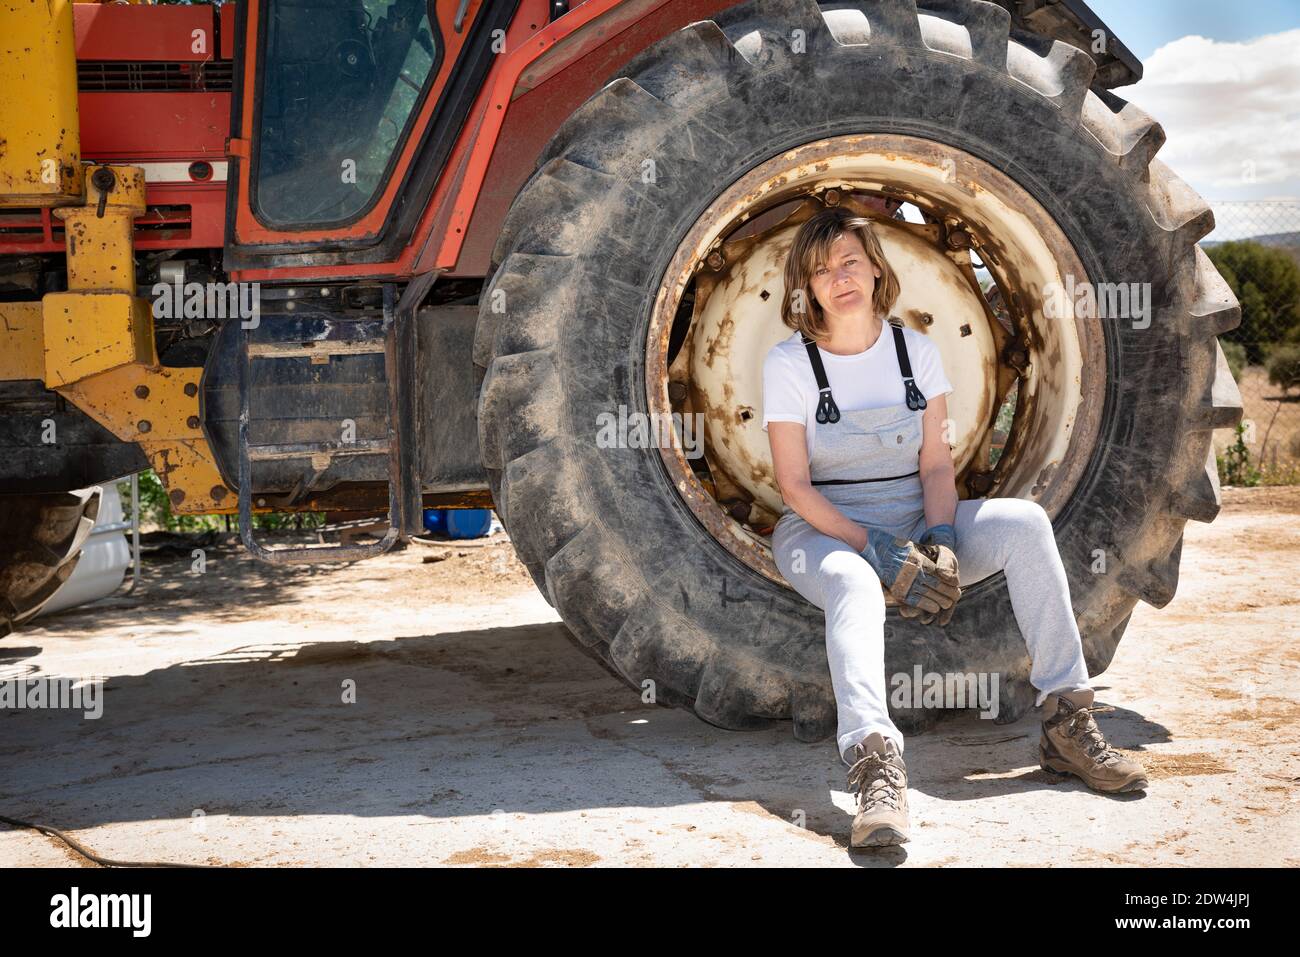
column 644, row 576
column 40, row 544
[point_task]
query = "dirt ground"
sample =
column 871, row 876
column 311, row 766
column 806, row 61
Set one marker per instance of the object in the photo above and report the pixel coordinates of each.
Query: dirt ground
column 481, row 736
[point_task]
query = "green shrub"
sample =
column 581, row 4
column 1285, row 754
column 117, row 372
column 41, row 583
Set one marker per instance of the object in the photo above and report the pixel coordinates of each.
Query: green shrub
column 1266, row 282
column 1234, row 464
column 1284, row 365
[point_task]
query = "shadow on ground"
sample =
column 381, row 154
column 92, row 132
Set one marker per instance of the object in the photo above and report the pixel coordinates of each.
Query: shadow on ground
column 464, row 723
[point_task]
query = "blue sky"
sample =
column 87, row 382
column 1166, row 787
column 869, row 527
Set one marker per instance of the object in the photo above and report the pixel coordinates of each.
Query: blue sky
column 1144, row 25
column 1222, row 77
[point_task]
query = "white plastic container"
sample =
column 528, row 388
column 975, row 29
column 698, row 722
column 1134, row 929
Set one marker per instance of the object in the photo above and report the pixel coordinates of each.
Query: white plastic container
column 104, row 558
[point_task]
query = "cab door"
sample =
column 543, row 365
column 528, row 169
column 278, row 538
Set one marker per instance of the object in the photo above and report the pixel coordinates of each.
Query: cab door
column 345, row 112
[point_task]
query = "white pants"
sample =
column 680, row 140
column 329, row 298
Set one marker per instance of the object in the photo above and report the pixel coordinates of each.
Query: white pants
column 1010, row 535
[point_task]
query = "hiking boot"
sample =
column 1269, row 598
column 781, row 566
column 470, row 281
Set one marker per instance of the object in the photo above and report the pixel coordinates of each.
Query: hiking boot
column 879, row 779
column 1071, row 743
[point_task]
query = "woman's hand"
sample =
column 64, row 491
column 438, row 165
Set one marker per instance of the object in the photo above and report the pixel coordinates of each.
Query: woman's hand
column 909, row 573
column 911, row 611
column 942, row 540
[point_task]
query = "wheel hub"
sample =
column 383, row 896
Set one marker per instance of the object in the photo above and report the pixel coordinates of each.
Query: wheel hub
column 718, row 314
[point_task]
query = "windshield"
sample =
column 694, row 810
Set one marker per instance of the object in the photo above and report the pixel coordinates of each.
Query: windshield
column 340, row 82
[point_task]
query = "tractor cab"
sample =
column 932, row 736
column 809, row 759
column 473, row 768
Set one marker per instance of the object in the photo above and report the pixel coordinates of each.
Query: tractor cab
column 343, row 121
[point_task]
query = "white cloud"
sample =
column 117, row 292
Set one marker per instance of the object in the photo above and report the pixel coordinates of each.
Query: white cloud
column 1231, row 112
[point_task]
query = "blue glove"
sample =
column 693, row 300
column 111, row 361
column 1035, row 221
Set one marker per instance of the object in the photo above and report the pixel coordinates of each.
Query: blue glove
column 940, row 535
column 908, row 573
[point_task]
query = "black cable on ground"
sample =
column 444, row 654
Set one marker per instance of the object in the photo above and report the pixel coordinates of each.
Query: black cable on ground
column 86, row 852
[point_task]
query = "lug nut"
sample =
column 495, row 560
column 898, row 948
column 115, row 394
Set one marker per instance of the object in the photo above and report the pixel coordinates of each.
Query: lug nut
column 142, row 392
column 144, row 425
column 959, row 239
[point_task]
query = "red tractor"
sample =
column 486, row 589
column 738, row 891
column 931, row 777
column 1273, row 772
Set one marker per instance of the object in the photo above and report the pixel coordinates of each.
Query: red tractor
column 372, row 256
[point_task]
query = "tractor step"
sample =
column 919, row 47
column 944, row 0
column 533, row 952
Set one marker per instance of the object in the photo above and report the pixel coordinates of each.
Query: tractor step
column 404, row 500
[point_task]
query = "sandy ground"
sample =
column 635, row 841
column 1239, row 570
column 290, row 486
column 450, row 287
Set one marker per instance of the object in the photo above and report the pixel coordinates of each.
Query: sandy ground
column 481, row 736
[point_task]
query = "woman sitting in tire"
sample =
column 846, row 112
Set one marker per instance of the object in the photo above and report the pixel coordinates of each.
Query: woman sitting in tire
column 870, row 493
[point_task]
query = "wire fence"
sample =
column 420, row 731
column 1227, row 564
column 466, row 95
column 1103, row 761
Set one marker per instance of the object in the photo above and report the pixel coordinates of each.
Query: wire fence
column 1256, row 248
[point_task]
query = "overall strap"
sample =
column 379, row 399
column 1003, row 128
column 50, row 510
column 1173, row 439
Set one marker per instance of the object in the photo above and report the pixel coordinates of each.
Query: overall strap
column 915, row 400
column 827, row 410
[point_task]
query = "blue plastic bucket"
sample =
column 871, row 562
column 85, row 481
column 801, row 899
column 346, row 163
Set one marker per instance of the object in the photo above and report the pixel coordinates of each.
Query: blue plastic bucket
column 458, row 522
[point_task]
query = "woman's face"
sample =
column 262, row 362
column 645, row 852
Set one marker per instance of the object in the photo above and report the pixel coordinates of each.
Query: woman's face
column 843, row 287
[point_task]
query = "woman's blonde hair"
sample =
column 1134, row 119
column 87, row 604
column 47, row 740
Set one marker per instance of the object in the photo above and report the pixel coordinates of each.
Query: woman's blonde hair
column 812, row 245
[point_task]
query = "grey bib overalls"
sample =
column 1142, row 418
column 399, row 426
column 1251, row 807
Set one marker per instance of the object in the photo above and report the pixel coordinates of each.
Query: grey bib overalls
column 866, row 463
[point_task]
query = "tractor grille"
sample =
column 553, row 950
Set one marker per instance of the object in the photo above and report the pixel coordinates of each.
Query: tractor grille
column 24, row 224
column 28, row 226
column 115, row 76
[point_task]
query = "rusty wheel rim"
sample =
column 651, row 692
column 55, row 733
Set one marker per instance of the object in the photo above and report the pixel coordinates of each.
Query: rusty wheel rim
column 730, row 262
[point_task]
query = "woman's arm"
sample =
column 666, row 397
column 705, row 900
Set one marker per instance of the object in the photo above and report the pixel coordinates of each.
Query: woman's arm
column 909, row 576
column 790, row 459
column 938, row 478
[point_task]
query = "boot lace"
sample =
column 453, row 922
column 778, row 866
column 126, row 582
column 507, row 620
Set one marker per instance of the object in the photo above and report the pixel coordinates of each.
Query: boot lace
column 876, row 781
column 1081, row 725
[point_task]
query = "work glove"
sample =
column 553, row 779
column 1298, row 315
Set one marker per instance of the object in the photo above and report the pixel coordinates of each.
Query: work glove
column 942, row 539
column 909, row 573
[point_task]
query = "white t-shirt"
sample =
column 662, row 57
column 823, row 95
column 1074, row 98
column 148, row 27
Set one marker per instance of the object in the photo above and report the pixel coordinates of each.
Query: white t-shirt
column 867, row 380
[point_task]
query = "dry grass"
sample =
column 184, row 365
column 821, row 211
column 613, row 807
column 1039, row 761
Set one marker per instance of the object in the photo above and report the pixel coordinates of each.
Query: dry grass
column 1272, row 419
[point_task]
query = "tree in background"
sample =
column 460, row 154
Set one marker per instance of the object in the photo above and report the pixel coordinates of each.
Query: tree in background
column 1284, row 366
column 1266, row 281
